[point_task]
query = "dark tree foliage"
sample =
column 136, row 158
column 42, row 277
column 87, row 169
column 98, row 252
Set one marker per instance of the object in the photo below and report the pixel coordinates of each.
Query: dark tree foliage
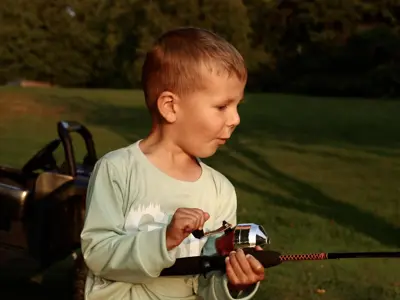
column 322, row 47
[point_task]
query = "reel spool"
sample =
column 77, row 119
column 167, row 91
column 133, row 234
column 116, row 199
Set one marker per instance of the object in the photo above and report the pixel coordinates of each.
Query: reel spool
column 246, row 235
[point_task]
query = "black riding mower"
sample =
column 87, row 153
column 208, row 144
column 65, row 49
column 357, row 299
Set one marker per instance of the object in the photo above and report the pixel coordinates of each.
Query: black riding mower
column 42, row 207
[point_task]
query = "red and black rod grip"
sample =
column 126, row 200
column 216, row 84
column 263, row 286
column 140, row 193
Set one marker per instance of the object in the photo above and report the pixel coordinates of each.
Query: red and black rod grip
column 204, row 264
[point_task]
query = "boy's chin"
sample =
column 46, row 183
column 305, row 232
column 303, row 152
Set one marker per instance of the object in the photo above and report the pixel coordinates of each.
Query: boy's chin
column 205, row 152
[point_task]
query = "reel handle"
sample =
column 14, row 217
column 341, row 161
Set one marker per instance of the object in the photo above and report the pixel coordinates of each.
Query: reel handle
column 198, row 234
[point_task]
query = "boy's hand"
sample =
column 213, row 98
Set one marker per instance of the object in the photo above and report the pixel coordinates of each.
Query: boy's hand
column 243, row 271
column 183, row 223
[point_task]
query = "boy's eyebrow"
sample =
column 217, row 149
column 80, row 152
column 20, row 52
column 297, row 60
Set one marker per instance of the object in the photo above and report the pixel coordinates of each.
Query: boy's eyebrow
column 230, row 100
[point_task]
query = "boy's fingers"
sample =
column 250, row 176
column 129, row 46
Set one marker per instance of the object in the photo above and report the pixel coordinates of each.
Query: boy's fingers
column 236, row 266
column 230, row 273
column 186, row 213
column 200, row 218
column 196, row 218
column 196, row 213
column 188, row 223
column 199, row 215
column 203, row 217
column 256, row 266
column 243, row 263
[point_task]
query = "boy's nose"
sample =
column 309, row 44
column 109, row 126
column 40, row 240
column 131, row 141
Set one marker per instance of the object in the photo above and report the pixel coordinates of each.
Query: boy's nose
column 234, row 119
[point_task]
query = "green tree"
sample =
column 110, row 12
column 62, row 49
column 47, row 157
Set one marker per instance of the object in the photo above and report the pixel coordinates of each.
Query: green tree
column 46, row 41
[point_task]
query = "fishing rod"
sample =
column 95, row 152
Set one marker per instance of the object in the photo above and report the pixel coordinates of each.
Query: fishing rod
column 247, row 237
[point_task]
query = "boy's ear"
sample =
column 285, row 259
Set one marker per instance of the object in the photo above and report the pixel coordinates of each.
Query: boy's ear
column 166, row 104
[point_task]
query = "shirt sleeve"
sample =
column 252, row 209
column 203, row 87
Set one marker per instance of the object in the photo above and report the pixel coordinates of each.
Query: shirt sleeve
column 214, row 285
column 108, row 250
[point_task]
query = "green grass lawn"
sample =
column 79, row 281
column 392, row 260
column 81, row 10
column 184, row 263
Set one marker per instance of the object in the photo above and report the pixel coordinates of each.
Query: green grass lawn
column 318, row 174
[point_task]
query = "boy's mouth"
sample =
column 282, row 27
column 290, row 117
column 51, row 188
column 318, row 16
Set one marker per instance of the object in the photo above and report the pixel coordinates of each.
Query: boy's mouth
column 222, row 141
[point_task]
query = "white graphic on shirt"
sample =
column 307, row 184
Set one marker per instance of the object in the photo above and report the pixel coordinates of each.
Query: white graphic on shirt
column 154, row 213
column 151, row 217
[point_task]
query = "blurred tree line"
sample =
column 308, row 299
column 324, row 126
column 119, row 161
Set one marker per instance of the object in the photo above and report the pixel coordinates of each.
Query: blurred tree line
column 321, row 47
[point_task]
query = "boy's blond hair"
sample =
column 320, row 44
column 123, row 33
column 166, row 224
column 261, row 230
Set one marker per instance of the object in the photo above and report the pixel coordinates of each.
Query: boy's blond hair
column 177, row 59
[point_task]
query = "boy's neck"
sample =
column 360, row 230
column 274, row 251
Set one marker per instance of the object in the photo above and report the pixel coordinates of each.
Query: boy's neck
column 169, row 157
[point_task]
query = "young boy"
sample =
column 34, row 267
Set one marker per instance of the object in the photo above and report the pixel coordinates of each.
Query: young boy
column 146, row 199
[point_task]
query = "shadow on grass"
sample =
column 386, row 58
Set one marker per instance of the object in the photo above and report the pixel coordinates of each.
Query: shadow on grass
column 134, row 122
column 129, row 122
column 308, row 199
column 347, row 157
column 366, row 124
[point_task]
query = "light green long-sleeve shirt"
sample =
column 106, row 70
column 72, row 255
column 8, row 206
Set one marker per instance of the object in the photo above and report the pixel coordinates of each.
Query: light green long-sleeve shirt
column 129, row 204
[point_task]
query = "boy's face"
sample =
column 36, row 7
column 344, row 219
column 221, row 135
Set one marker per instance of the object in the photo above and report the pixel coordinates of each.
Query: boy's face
column 207, row 118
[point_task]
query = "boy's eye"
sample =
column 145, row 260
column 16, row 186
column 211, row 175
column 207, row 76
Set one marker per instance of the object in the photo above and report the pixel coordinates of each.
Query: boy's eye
column 223, row 107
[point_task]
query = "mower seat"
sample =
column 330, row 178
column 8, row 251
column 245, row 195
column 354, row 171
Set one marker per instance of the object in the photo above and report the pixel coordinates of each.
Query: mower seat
column 12, row 203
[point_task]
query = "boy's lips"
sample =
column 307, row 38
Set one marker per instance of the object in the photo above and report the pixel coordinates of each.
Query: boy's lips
column 223, row 140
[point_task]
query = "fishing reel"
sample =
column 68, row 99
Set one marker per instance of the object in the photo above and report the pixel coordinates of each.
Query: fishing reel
column 246, row 235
